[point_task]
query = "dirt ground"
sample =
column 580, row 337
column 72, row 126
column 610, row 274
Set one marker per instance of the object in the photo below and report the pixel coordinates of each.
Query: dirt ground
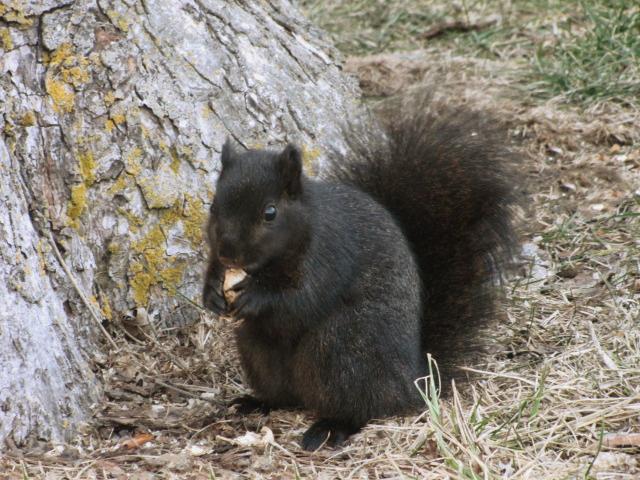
column 557, row 397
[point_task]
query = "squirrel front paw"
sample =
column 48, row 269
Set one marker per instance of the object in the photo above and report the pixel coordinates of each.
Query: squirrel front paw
column 248, row 302
column 212, row 295
column 214, row 301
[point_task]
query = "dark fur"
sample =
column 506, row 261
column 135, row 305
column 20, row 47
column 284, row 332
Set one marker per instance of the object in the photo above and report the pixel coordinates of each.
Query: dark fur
column 357, row 277
column 449, row 178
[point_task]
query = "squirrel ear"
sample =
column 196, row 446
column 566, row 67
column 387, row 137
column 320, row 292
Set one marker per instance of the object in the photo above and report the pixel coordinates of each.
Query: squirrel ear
column 227, row 154
column 290, row 167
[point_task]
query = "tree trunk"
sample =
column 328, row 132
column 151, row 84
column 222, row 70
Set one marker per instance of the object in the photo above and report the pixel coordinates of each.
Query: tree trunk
column 112, row 117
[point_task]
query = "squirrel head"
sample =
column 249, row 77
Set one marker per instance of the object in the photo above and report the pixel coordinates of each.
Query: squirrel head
column 258, row 216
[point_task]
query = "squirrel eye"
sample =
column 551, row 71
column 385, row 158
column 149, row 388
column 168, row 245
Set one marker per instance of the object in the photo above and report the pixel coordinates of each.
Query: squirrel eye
column 270, row 213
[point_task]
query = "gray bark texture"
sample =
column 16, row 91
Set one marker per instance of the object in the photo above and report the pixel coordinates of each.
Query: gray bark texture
column 112, row 115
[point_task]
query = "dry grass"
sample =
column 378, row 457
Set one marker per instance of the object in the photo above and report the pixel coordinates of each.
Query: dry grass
column 563, row 375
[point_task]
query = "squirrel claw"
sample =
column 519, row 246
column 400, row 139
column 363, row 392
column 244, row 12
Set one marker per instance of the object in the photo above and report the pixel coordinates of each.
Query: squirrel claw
column 215, row 302
column 249, row 404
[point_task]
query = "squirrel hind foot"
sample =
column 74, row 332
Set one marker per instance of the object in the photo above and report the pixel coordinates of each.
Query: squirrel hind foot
column 332, row 433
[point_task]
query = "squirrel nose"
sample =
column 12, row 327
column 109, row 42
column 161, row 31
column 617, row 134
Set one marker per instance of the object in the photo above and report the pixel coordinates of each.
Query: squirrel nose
column 228, row 253
column 228, row 262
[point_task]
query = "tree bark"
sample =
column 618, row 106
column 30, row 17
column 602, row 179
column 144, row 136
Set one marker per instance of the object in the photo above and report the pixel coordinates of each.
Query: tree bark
column 112, row 117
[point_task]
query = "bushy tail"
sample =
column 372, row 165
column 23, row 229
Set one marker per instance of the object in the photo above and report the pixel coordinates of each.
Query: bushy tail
column 447, row 175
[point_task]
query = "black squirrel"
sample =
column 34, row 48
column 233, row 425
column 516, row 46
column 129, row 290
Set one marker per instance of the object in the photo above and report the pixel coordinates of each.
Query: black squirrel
column 354, row 278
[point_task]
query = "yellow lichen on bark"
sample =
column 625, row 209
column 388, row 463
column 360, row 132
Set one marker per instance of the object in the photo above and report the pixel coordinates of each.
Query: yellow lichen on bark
column 140, row 283
column 66, row 70
column 175, row 161
column 133, row 166
column 76, row 76
column 109, row 99
column 151, row 249
column 61, row 54
column 6, row 42
column 115, row 119
column 73, row 66
column 173, row 153
column 61, row 94
column 153, row 266
column 193, row 220
column 87, row 167
column 28, row 119
column 120, row 184
column 12, row 12
column 118, row 118
column 77, row 203
column 118, row 20
column 105, row 307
